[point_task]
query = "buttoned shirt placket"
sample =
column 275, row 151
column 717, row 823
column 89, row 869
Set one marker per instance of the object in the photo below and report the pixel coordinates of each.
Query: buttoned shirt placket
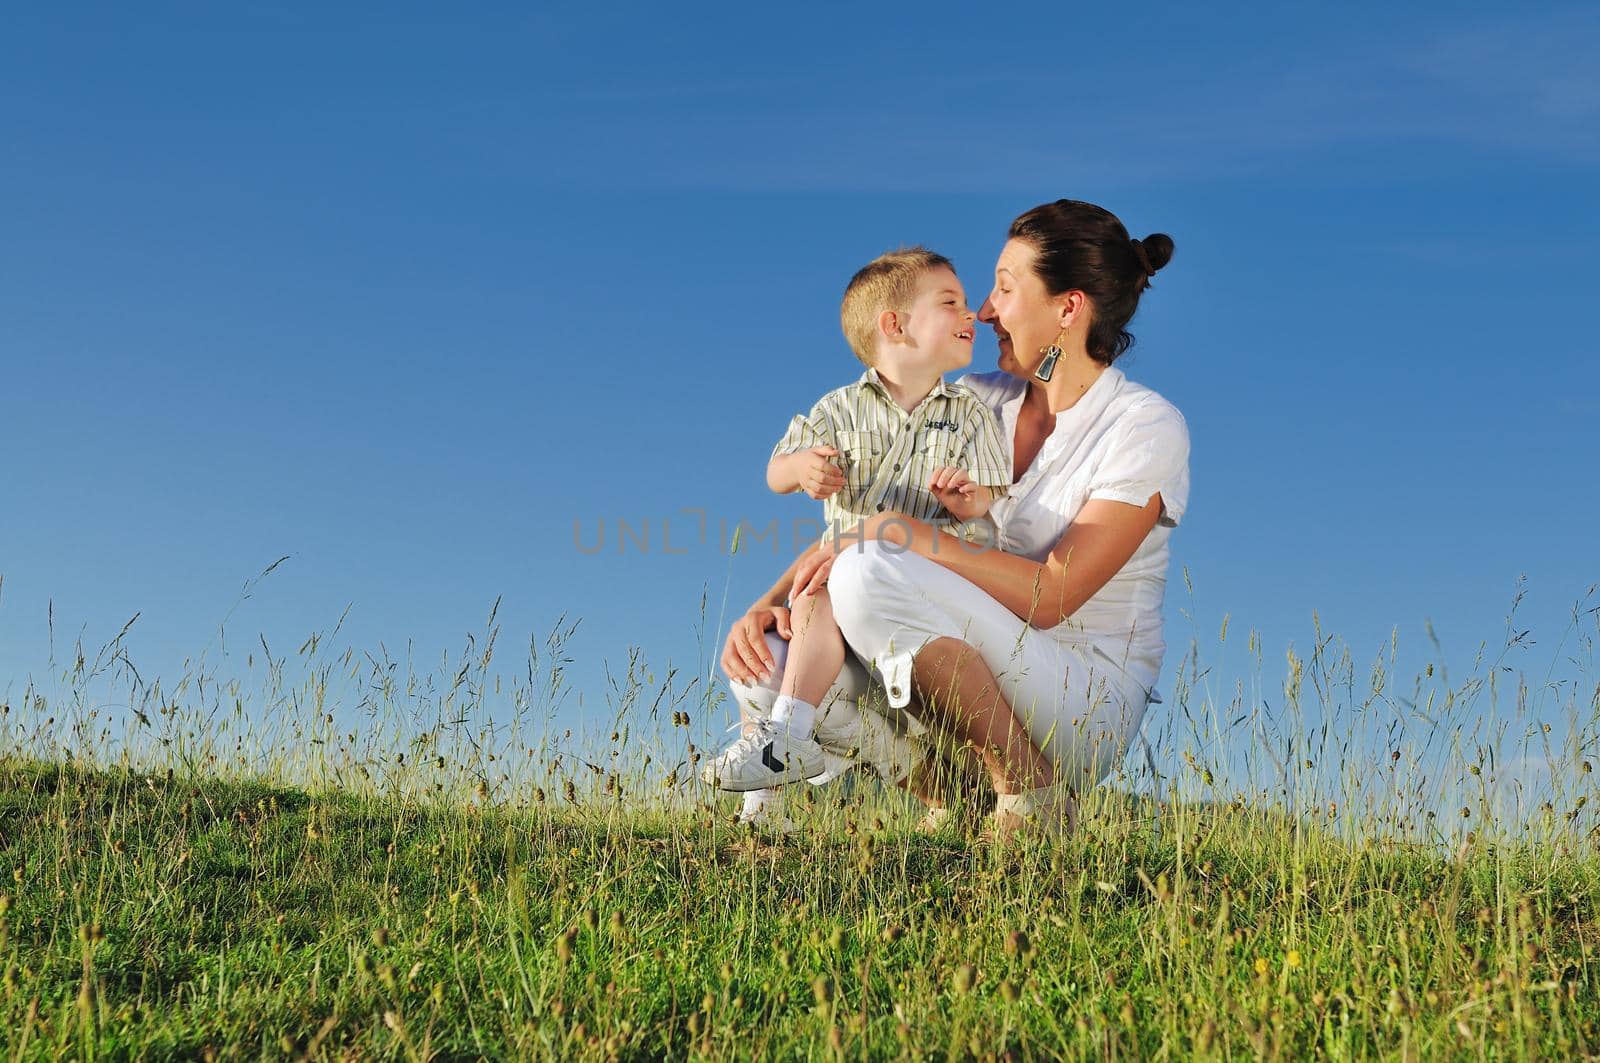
column 901, row 441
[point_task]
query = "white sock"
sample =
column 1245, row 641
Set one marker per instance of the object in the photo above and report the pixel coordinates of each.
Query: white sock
column 794, row 716
column 755, row 800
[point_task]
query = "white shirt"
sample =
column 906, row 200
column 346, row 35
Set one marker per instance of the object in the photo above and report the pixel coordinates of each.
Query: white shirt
column 1119, row 441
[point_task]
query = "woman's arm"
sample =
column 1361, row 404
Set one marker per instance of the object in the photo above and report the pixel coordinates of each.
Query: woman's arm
column 778, row 593
column 1099, row 541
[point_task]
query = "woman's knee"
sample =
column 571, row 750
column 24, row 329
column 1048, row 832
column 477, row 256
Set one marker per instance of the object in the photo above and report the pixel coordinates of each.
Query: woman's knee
column 861, row 577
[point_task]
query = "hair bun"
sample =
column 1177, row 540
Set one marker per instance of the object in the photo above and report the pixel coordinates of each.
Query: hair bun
column 1157, row 249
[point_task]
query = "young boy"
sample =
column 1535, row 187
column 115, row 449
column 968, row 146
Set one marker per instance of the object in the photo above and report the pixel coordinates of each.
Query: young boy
column 900, row 439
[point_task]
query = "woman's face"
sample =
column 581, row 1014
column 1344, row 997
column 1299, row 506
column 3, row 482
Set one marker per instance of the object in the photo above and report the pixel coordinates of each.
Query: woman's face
column 1025, row 317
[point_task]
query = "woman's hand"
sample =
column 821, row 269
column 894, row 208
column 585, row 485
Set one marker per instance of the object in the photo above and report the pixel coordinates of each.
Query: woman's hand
column 745, row 657
column 812, row 573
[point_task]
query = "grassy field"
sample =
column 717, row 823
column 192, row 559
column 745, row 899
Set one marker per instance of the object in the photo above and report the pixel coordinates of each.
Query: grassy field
column 332, row 854
column 165, row 915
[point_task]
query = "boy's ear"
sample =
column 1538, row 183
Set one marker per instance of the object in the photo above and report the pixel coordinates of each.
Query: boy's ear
column 890, row 326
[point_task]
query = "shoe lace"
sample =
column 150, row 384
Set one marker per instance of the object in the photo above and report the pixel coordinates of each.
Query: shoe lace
column 751, row 741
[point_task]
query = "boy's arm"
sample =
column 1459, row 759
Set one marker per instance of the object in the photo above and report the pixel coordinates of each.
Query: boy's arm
column 781, row 475
column 805, row 470
column 964, row 499
column 800, row 460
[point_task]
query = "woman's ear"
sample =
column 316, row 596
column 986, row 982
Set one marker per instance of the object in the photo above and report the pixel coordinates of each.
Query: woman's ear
column 1069, row 307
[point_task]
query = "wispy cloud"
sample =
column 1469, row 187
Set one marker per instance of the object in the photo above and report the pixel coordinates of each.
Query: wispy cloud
column 1541, row 68
column 1521, row 88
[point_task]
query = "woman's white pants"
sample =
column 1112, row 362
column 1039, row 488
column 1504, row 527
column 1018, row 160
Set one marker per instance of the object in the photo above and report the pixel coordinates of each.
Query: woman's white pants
column 1080, row 709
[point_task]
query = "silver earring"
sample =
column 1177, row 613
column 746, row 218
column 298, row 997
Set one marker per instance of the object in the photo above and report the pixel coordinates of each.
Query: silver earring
column 1048, row 367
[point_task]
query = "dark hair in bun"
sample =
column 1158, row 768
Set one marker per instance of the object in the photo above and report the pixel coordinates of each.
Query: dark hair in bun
column 1082, row 247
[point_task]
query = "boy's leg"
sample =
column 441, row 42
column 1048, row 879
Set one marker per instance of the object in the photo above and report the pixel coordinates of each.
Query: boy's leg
column 849, row 731
column 780, row 749
column 755, row 702
column 816, row 654
column 785, row 751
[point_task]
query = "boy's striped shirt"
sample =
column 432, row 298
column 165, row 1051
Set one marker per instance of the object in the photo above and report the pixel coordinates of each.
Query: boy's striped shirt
column 888, row 455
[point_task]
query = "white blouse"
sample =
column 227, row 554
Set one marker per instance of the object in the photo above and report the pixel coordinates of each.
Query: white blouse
column 1119, row 441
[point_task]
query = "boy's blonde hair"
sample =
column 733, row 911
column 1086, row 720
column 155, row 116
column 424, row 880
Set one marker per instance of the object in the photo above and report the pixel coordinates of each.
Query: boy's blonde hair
column 888, row 282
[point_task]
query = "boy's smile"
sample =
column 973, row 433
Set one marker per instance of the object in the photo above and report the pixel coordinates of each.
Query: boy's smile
column 938, row 329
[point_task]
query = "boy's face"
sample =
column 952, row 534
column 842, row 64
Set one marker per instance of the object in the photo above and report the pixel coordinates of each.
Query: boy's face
column 936, row 331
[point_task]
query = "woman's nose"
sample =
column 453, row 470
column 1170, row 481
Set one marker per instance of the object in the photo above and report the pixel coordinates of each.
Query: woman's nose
column 986, row 312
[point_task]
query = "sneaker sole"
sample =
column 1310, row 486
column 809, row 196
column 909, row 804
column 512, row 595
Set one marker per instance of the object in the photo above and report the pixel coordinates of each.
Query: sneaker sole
column 741, row 786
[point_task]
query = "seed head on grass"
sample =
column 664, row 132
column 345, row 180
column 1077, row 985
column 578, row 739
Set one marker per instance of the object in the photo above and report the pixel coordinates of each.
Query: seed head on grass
column 965, row 978
column 822, row 990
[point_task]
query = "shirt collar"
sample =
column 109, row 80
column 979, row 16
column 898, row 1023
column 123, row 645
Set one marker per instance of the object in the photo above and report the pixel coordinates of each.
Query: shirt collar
column 870, row 379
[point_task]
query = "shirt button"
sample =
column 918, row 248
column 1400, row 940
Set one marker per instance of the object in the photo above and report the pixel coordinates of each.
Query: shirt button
column 897, row 466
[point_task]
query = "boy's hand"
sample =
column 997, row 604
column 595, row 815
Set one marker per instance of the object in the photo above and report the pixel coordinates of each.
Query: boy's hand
column 956, row 492
column 819, row 478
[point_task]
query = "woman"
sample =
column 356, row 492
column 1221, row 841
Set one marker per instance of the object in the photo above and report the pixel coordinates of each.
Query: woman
column 1040, row 655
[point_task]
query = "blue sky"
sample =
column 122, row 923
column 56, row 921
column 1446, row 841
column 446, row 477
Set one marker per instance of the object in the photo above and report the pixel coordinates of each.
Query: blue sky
column 404, row 293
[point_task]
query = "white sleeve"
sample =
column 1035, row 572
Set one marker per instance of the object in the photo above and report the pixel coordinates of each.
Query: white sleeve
column 1148, row 456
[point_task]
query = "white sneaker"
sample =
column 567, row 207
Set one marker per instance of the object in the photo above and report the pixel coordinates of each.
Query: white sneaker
column 768, row 817
column 850, row 734
column 764, row 757
column 833, row 766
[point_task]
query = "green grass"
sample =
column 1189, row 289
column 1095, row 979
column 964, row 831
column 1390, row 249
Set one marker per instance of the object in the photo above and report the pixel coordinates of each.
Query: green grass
column 334, row 854
column 160, row 915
